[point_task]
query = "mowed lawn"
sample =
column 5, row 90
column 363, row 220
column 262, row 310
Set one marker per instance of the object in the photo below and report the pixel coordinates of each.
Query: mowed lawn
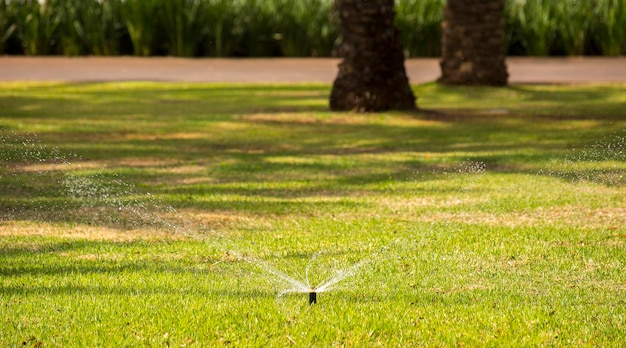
column 153, row 214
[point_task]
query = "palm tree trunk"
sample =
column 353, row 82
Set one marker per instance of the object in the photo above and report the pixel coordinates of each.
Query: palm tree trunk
column 371, row 76
column 473, row 51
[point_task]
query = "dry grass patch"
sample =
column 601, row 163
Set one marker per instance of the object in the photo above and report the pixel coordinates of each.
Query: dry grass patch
column 69, row 166
column 65, row 166
column 608, row 218
column 16, row 228
column 298, row 118
column 410, row 205
column 306, row 118
column 144, row 162
column 167, row 136
column 223, row 220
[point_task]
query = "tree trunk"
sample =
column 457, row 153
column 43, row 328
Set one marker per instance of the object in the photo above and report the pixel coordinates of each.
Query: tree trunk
column 371, row 76
column 473, row 51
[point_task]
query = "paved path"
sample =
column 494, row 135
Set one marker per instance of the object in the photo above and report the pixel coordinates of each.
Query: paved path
column 85, row 69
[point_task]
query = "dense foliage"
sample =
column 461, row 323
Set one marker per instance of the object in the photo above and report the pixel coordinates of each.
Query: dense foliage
column 254, row 28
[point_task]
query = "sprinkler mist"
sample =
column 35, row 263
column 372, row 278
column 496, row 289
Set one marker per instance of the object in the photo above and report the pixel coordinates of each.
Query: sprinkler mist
column 303, row 285
column 312, row 296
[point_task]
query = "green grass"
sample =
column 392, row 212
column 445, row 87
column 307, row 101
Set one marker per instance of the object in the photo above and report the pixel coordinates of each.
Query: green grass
column 495, row 217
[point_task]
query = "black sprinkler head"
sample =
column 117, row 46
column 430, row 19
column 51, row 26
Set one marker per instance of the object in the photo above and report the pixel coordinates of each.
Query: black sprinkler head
column 312, row 296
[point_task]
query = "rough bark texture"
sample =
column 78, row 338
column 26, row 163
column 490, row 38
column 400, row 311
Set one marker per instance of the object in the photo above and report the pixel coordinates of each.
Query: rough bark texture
column 473, row 51
column 371, row 76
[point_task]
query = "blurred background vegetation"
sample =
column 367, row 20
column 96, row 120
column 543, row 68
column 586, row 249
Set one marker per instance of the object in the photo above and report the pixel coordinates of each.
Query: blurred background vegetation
column 285, row 28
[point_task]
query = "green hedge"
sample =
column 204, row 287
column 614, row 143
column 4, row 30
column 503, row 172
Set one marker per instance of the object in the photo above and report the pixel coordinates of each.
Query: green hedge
column 256, row 28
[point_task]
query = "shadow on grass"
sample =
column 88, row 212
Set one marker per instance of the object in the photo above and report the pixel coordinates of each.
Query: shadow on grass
column 533, row 102
column 140, row 101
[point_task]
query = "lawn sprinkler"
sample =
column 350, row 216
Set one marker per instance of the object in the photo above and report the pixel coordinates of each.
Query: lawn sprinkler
column 312, row 296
